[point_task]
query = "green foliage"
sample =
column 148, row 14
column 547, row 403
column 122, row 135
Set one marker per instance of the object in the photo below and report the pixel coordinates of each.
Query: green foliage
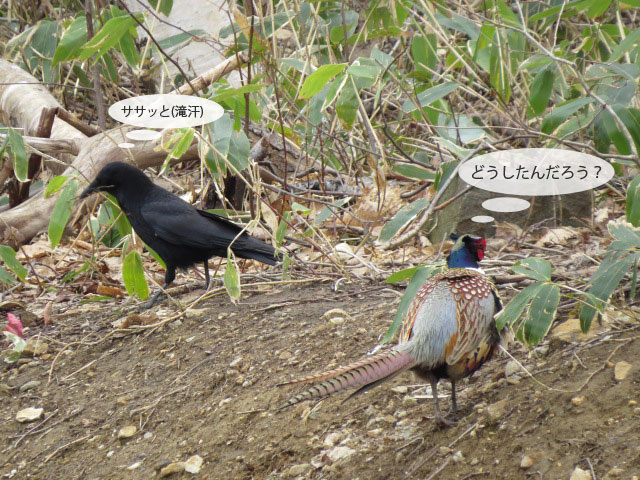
column 402, row 218
column 622, row 255
column 540, row 300
column 133, row 275
column 62, row 212
column 8, row 256
column 231, row 278
column 633, row 202
column 13, row 354
column 15, row 143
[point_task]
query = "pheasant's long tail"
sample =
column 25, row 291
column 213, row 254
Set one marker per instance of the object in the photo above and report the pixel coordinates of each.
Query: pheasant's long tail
column 371, row 371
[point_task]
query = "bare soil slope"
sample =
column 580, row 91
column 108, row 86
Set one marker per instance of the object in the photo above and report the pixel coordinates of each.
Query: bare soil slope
column 205, row 385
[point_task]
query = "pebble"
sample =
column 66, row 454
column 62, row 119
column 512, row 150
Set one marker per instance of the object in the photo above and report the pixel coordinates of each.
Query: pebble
column 335, row 313
column 577, row 401
column 474, row 461
column 193, row 464
column 29, row 414
column 333, row 438
column 175, row 467
column 285, row 355
column 580, row 474
column 127, row 432
column 512, row 368
column 30, row 385
column 497, row 410
column 615, row 472
column 300, row 469
column 400, row 389
column 526, row 462
column 458, row 457
column 35, row 348
column 236, row 362
column 621, row 370
column 340, row 452
column 444, row 450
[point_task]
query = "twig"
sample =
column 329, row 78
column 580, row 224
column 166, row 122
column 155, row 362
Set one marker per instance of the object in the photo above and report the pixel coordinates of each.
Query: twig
column 424, row 217
column 63, row 447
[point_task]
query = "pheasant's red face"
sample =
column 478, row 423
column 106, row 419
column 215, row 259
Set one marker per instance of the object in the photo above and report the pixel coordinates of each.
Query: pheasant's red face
column 481, row 246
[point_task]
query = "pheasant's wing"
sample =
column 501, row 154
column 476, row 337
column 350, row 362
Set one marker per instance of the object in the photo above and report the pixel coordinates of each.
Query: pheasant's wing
column 476, row 305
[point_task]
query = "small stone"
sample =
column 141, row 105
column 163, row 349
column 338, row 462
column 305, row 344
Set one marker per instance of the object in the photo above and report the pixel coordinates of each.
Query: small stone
column 526, row 462
column 133, row 466
column 236, row 362
column 444, row 450
column 497, row 410
column 374, row 433
column 285, row 355
column 458, row 457
column 193, row 464
column 621, row 370
column 512, row 368
column 333, row 438
column 579, row 474
column 29, row 414
column 632, row 403
column 300, row 469
column 615, row 472
column 340, row 452
column 335, row 313
column 175, row 467
column 30, row 385
column 127, row 432
column 577, row 401
column 35, row 347
column 400, row 389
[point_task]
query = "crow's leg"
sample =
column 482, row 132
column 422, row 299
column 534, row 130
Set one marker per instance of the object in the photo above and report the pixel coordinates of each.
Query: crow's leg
column 207, row 280
column 169, row 277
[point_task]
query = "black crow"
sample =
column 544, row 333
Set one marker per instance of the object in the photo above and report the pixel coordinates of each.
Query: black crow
column 178, row 232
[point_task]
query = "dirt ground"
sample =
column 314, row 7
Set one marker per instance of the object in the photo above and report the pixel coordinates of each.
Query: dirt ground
column 205, row 384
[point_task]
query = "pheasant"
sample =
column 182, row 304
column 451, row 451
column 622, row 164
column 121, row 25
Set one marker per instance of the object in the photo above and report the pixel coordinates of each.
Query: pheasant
column 448, row 332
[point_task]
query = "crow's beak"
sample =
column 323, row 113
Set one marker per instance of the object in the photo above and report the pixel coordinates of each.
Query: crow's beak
column 88, row 191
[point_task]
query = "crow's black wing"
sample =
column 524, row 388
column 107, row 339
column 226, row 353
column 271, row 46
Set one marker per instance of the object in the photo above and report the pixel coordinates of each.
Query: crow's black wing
column 179, row 223
column 176, row 222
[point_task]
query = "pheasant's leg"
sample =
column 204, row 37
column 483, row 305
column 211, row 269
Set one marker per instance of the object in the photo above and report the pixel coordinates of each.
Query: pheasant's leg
column 454, row 404
column 438, row 416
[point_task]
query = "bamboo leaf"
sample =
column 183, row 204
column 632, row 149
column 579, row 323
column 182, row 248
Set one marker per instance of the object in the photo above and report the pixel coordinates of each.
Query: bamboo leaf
column 62, row 212
column 633, row 202
column 402, row 218
column 513, row 310
column 133, row 275
column 318, row 79
column 9, row 256
column 232, row 278
column 541, row 313
column 19, row 154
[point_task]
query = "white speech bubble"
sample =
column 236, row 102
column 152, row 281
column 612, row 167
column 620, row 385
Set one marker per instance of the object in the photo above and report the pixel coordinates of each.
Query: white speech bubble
column 482, row 219
column 165, row 111
column 536, row 171
column 143, row 135
column 506, row 204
